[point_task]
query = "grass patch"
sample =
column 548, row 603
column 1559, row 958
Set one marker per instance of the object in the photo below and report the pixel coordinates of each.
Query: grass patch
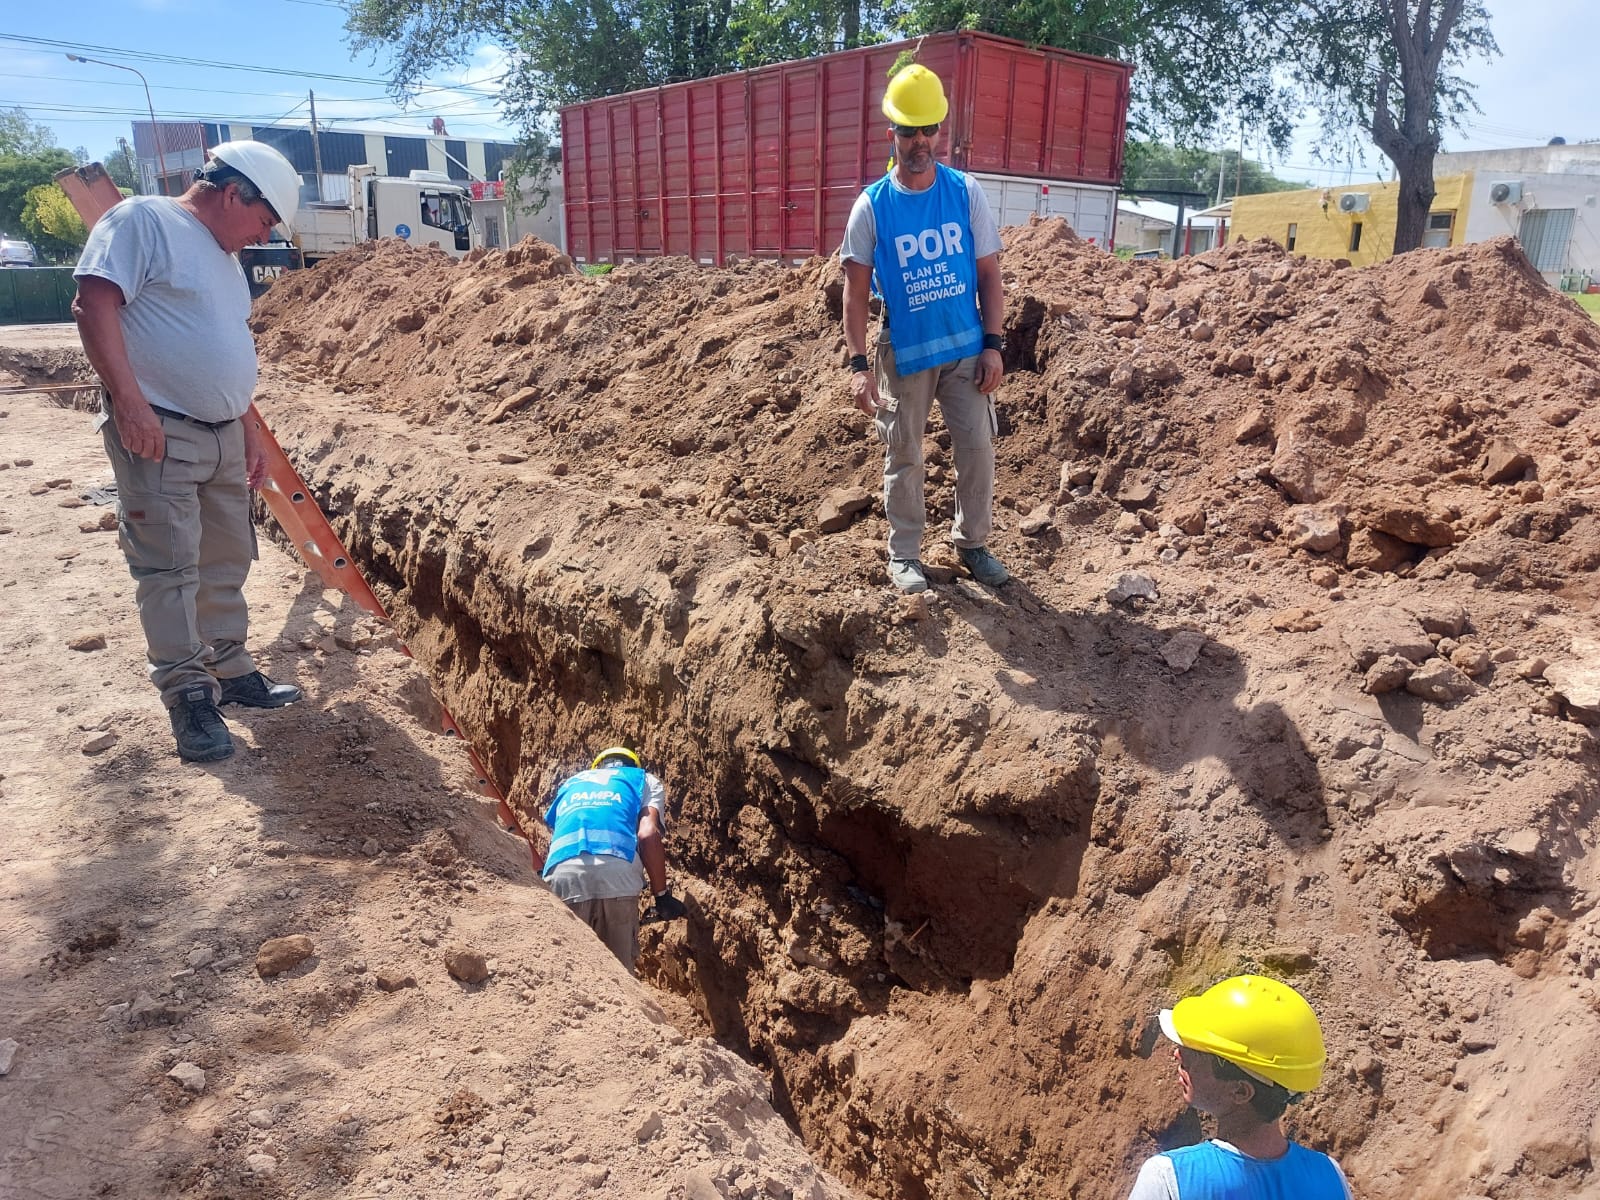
column 596, row 269
column 1589, row 304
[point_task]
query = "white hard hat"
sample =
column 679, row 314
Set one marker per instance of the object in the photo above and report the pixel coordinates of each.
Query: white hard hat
column 273, row 174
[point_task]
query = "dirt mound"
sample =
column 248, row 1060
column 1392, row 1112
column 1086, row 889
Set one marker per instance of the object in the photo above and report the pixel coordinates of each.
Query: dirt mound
column 1297, row 674
column 151, row 1048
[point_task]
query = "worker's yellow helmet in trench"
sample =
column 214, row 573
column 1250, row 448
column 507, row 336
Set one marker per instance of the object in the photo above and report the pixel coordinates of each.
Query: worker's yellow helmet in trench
column 616, row 752
column 1260, row 1025
column 915, row 97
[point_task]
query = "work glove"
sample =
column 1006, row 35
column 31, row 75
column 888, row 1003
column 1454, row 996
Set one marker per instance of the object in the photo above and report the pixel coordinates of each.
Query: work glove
column 667, row 907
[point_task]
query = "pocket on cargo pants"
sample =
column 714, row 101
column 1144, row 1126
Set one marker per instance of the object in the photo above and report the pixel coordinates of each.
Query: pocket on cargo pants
column 146, row 532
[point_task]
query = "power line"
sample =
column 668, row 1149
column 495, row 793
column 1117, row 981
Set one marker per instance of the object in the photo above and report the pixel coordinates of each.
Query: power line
column 183, row 61
column 234, row 119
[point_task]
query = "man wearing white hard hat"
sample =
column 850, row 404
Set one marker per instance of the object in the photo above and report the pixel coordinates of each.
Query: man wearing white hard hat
column 163, row 309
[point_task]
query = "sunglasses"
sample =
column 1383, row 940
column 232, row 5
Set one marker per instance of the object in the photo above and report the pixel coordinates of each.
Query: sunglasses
column 911, row 131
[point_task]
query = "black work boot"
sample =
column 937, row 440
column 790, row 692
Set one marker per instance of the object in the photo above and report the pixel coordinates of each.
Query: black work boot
column 255, row 690
column 201, row 732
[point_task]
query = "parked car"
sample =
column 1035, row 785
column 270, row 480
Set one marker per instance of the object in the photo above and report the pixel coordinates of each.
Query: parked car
column 16, row 253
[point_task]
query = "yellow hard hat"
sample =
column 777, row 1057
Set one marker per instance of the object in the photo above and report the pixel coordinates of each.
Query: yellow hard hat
column 915, row 97
column 616, row 752
column 1264, row 1027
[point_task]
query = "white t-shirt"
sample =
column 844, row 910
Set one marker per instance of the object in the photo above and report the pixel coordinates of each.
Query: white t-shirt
column 186, row 307
column 861, row 230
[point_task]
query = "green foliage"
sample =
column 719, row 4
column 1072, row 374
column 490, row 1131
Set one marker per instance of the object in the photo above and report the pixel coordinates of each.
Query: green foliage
column 21, row 136
column 20, row 174
column 54, row 225
column 1151, row 167
column 567, row 51
column 1351, row 65
column 1192, row 77
column 118, row 166
column 1392, row 68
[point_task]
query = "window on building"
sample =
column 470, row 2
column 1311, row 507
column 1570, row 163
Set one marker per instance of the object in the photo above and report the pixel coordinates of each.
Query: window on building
column 1546, row 237
column 1294, row 232
column 491, row 231
column 1355, row 235
column 1439, row 228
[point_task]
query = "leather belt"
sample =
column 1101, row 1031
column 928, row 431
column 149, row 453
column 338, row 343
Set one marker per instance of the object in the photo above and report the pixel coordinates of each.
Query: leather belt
column 178, row 416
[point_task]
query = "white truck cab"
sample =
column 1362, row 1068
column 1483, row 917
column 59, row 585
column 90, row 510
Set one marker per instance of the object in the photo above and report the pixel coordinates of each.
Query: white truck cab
column 426, row 209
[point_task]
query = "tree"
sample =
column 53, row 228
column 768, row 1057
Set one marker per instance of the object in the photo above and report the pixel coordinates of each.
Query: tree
column 119, row 165
column 1391, row 68
column 22, row 136
column 1156, row 167
column 56, row 228
column 1199, row 64
column 566, row 51
column 20, row 174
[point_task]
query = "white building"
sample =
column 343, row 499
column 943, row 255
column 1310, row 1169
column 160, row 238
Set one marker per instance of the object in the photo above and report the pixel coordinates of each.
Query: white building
column 1547, row 197
column 1146, row 227
column 475, row 163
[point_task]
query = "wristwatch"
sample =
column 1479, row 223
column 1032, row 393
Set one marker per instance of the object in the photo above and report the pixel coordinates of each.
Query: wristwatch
column 859, row 362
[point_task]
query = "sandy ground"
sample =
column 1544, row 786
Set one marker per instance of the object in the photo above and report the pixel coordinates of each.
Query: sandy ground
column 152, row 1059
column 1298, row 674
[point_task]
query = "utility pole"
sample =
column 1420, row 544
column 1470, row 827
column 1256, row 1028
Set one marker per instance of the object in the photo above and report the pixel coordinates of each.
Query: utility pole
column 133, row 170
column 1238, row 166
column 316, row 143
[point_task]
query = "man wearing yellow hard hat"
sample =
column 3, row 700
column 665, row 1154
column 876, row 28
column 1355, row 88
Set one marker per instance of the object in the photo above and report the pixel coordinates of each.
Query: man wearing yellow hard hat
column 924, row 239
column 606, row 837
column 1246, row 1048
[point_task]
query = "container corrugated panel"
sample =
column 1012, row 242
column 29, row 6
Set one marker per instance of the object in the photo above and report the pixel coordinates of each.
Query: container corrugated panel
column 767, row 163
column 36, row 295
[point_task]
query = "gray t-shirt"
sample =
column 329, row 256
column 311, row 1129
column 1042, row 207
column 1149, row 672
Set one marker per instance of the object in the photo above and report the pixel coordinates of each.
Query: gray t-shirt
column 861, row 231
column 185, row 307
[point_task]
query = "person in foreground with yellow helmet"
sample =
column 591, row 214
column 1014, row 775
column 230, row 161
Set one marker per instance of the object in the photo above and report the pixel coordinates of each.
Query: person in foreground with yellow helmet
column 924, row 239
column 606, row 836
column 1246, row 1048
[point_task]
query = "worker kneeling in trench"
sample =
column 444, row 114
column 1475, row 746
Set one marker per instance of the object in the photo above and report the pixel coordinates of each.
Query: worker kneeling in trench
column 1246, row 1049
column 606, row 836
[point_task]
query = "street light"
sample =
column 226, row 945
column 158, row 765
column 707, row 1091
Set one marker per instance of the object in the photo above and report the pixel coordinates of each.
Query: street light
column 155, row 130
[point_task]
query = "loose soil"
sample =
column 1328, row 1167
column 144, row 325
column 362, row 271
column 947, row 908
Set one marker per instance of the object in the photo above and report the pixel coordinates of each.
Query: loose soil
column 1298, row 673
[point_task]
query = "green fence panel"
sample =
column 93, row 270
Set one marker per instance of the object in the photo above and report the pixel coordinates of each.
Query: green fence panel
column 36, row 295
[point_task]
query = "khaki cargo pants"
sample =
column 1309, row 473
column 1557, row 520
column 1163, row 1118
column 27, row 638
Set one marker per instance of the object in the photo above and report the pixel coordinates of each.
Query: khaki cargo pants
column 184, row 525
column 970, row 417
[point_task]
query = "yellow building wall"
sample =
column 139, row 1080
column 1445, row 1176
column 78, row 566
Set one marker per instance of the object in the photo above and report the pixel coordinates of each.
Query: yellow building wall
column 1322, row 231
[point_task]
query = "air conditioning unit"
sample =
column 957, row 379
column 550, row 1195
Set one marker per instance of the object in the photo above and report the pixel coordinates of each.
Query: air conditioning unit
column 1508, row 191
column 1354, row 202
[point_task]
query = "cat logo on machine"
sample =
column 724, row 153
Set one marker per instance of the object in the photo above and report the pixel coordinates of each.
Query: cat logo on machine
column 263, row 273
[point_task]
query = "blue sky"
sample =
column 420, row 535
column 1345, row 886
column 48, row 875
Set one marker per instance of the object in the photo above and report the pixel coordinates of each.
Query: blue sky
column 1537, row 89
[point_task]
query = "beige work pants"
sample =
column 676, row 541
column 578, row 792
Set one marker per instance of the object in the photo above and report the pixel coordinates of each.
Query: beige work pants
column 901, row 423
column 616, row 922
column 184, row 525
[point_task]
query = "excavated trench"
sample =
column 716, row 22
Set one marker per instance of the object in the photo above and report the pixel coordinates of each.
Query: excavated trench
column 946, row 857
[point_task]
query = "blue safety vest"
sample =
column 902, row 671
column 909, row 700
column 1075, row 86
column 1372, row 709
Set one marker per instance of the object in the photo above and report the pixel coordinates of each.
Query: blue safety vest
column 924, row 268
column 1209, row 1172
column 596, row 812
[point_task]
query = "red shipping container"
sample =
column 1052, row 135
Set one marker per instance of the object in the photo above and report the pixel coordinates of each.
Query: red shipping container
column 767, row 163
